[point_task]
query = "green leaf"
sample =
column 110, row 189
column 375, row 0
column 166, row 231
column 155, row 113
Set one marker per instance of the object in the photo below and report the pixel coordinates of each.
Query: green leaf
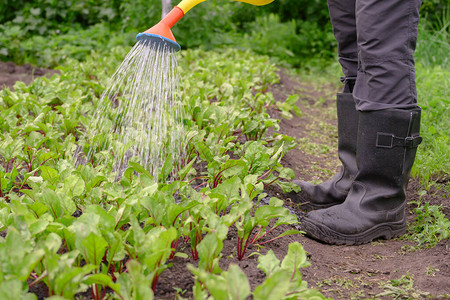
column 185, row 170
column 12, row 289
column 204, row 152
column 74, row 185
column 297, row 111
column 287, row 220
column 51, row 199
column 95, row 215
column 38, row 226
column 287, row 173
column 103, row 280
column 209, row 250
column 38, row 208
column 156, row 248
column 52, row 242
column 93, row 248
column 217, row 286
column 68, row 283
column 295, row 258
column 35, row 11
column 234, row 167
column 116, row 248
column 49, row 174
column 274, row 287
column 18, row 257
column 237, row 283
column 228, row 188
column 288, row 186
column 250, row 126
column 166, row 168
column 134, row 284
column 266, row 212
column 292, row 99
column 138, row 168
column 269, row 263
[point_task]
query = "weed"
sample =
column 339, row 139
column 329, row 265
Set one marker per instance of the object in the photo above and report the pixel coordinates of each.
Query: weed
column 402, row 288
column 431, row 271
column 430, row 226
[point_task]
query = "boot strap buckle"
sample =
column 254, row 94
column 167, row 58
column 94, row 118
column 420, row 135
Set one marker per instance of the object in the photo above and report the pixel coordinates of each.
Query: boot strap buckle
column 389, row 140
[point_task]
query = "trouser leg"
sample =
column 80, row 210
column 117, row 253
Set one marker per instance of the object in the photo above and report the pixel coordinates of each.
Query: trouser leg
column 343, row 20
column 386, row 37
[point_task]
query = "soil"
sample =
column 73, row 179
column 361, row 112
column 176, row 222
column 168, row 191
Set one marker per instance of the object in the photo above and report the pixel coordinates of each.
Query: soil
column 10, row 73
column 337, row 271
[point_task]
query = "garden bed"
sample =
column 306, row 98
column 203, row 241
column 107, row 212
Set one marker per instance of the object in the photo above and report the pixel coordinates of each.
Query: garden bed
column 378, row 268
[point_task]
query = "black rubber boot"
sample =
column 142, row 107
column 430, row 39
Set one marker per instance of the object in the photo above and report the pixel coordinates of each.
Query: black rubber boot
column 335, row 190
column 375, row 205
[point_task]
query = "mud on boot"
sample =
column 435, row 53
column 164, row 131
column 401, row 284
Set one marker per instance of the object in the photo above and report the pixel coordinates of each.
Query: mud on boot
column 375, row 205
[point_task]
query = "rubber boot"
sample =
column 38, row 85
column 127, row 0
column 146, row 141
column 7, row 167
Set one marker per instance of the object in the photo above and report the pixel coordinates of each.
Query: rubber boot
column 375, row 205
column 335, row 190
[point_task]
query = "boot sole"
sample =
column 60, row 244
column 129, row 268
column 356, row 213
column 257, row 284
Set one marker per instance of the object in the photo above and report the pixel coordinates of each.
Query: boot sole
column 327, row 235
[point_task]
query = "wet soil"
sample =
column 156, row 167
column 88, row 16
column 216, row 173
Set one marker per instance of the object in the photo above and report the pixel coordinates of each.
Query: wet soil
column 345, row 272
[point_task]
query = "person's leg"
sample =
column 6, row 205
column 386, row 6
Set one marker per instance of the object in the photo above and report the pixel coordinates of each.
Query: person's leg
column 343, row 20
column 334, row 191
column 388, row 129
column 387, row 34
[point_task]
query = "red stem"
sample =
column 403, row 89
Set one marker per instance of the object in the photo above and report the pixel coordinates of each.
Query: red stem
column 267, row 232
column 271, row 182
column 256, row 235
column 174, row 245
column 204, row 183
column 265, row 174
column 155, row 282
column 199, row 177
column 278, row 237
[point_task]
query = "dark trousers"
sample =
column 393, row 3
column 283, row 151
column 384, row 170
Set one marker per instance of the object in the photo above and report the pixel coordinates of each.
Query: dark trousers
column 376, row 43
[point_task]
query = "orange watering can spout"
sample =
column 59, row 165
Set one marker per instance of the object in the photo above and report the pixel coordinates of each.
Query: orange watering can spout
column 161, row 32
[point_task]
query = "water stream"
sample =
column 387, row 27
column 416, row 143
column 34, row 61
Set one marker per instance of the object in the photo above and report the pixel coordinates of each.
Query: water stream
column 139, row 117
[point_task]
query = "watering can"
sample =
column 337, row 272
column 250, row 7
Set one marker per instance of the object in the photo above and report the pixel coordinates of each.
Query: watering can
column 161, row 33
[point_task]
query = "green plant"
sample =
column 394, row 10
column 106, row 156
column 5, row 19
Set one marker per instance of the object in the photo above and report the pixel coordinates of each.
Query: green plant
column 433, row 159
column 431, row 271
column 283, row 280
column 293, row 42
column 402, row 288
column 259, row 218
column 430, row 226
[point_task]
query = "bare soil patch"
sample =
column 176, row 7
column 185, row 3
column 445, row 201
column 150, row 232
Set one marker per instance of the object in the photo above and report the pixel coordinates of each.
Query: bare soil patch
column 10, row 73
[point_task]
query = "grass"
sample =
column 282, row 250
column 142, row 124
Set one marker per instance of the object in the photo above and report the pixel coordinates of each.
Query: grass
column 433, row 156
column 433, row 84
column 433, row 42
